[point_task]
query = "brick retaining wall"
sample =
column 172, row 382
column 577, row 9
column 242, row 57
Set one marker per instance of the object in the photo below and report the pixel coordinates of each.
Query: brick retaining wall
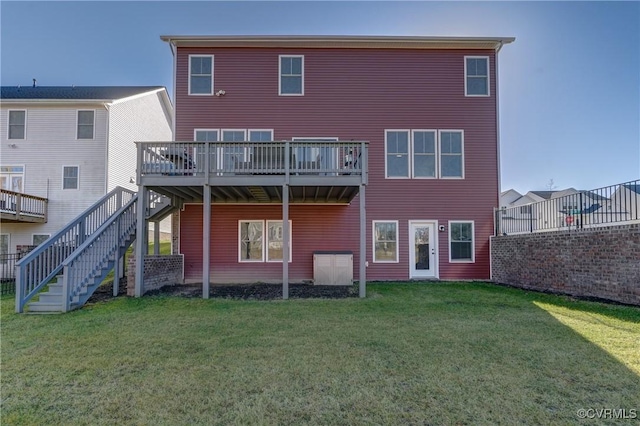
column 600, row 262
column 158, row 271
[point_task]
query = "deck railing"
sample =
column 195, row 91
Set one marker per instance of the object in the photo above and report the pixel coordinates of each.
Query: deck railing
column 42, row 264
column 614, row 204
column 328, row 158
column 20, row 205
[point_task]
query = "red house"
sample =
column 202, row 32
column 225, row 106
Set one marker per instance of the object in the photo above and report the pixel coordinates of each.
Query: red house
column 291, row 148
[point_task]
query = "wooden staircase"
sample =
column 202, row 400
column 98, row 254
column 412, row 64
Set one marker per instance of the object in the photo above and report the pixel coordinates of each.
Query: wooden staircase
column 62, row 273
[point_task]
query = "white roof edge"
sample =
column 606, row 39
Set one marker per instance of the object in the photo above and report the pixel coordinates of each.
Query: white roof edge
column 397, row 42
column 138, row 95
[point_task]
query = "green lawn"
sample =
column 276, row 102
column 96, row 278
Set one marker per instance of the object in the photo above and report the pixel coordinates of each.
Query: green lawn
column 441, row 353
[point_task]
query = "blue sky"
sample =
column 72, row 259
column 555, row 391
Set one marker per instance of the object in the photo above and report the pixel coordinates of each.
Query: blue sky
column 569, row 85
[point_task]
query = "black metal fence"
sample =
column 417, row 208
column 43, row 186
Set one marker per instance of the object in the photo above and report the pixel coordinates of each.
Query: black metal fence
column 8, row 269
column 609, row 205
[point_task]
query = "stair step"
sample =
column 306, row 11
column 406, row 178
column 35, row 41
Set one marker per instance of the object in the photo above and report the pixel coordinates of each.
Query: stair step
column 44, row 307
column 55, row 288
column 51, row 298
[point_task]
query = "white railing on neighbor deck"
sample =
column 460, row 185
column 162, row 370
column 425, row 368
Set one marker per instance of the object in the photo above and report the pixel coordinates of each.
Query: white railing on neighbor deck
column 89, row 261
column 19, row 205
column 41, row 265
column 245, row 158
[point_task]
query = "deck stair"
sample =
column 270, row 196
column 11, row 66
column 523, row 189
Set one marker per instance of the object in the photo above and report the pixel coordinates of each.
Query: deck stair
column 72, row 264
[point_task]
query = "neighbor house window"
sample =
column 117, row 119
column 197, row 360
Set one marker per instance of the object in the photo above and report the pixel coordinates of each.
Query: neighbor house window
column 4, row 248
column 476, row 72
column 70, row 177
column 275, row 241
column 451, row 158
column 12, row 178
column 397, row 153
column 461, row 241
column 424, row 153
column 385, row 241
column 38, row 239
column 85, row 124
column 251, row 235
column 525, row 209
column 291, row 75
column 200, row 74
column 17, row 124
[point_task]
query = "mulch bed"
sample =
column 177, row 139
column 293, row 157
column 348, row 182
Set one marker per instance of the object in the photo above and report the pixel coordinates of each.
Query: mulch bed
column 259, row 291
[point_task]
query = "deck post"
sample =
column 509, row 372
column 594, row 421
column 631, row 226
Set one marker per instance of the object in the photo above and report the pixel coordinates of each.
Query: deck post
column 156, row 238
column 363, row 244
column 140, row 249
column 206, row 238
column 285, row 241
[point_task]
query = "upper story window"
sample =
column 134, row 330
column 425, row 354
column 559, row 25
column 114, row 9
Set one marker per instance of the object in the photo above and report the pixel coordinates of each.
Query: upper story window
column 17, row 124
column 424, row 154
column 70, row 177
column 201, row 74
column 206, row 135
column 397, row 148
column 451, row 154
column 85, row 125
column 291, row 75
column 476, row 73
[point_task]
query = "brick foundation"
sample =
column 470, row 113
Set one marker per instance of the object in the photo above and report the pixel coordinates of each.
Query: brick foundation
column 158, row 272
column 602, row 263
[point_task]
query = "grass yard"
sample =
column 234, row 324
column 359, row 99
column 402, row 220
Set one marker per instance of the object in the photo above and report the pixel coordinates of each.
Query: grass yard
column 439, row 353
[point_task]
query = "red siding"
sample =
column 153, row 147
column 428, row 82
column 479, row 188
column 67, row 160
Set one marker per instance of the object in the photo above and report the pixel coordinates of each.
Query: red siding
column 350, row 94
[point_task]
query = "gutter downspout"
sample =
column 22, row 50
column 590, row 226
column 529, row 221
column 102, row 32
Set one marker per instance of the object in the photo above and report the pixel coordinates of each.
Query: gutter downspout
column 498, row 169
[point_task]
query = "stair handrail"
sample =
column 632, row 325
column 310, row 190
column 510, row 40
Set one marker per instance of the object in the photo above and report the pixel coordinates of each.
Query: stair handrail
column 43, row 263
column 113, row 230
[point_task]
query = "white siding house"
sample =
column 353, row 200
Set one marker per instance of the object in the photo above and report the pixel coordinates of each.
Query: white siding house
column 72, row 145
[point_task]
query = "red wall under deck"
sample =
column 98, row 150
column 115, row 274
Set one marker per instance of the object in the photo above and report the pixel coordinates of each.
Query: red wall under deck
column 314, row 228
column 352, row 94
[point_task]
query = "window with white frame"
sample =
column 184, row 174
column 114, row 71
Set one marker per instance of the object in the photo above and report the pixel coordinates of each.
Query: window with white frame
column 205, row 135
column 235, row 153
column 17, row 124
column 424, row 154
column 38, row 239
column 461, row 241
column 201, row 74
column 12, row 178
column 397, row 153
column 291, row 72
column 476, row 72
column 260, row 135
column 256, row 244
column 385, row 241
column 275, row 241
column 70, row 177
column 85, row 124
column 251, row 235
column 451, row 154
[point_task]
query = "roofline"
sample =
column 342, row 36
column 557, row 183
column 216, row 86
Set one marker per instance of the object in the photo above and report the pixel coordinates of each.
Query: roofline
column 80, row 101
column 345, row 42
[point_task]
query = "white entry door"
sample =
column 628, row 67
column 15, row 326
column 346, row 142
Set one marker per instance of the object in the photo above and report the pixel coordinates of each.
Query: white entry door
column 423, row 249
